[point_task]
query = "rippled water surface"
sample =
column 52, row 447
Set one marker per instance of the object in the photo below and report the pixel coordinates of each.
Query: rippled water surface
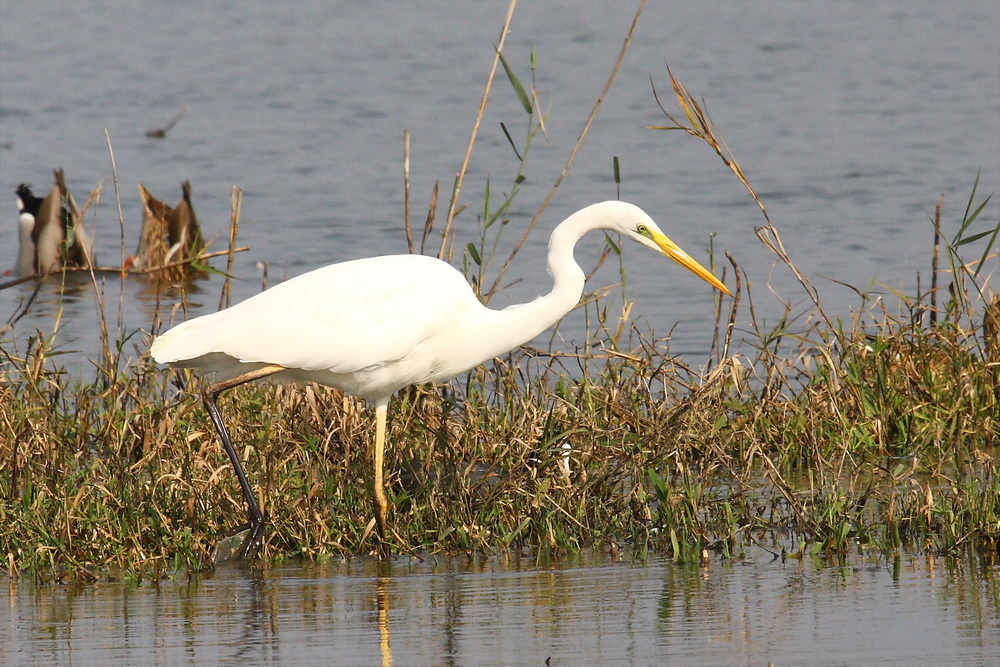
column 852, row 119
column 758, row 610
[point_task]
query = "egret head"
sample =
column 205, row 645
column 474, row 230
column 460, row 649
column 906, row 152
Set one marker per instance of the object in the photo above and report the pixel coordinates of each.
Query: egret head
column 638, row 226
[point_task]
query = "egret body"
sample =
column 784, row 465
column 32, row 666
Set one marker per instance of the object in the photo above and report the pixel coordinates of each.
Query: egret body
column 371, row 327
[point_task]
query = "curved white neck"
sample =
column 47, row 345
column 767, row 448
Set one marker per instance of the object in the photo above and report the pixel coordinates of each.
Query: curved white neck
column 524, row 321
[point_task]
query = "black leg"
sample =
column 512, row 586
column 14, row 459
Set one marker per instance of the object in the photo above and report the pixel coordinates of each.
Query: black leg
column 255, row 519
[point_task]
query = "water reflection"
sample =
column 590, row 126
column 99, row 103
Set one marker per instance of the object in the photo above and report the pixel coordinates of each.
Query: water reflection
column 382, row 600
column 460, row 611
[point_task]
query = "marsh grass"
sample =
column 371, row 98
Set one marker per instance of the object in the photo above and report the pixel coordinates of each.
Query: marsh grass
column 817, row 436
column 886, row 444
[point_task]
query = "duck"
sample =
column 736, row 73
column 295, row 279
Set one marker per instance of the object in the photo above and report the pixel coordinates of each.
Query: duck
column 28, row 205
column 50, row 231
column 169, row 235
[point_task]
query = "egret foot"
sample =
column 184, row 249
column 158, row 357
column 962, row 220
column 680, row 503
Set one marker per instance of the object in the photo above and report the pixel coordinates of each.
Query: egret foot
column 244, row 544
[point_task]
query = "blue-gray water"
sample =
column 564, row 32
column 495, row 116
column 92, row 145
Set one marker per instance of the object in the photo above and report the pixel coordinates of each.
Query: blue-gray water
column 851, row 119
column 755, row 611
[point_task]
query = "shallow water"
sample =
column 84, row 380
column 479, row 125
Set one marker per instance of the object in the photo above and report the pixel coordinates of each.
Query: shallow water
column 758, row 610
column 851, row 119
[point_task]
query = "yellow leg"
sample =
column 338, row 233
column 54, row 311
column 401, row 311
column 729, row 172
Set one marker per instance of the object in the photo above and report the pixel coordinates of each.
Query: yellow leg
column 381, row 502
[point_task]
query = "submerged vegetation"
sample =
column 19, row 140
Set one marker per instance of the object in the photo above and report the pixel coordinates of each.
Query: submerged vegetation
column 817, row 435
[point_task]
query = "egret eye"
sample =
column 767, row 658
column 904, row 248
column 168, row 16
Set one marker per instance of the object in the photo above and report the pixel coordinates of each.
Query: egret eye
column 642, row 229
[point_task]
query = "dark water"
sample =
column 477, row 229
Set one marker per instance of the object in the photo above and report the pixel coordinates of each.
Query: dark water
column 851, row 119
column 913, row 610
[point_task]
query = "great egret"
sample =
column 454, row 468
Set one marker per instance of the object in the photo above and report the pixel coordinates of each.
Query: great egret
column 45, row 226
column 370, row 327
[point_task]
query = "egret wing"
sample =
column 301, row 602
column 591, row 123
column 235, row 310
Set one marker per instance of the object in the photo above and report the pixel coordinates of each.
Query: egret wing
column 340, row 318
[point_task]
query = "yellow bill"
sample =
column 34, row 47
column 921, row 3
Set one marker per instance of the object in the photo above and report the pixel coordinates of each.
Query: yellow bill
column 674, row 252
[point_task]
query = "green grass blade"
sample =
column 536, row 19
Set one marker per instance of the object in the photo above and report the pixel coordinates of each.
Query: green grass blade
column 522, row 94
column 474, row 253
column 510, row 140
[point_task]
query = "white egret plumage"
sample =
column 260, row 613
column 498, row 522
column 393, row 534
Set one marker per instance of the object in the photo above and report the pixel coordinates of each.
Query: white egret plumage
column 371, row 327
